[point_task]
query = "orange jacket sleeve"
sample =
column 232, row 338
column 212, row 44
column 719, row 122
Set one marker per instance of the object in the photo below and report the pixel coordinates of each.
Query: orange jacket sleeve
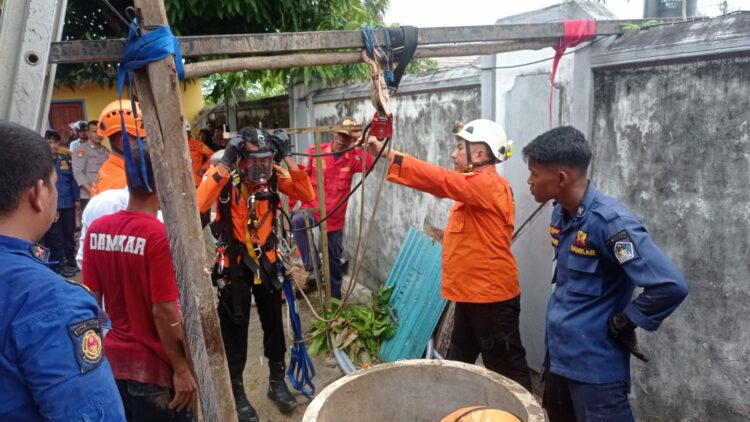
column 210, row 188
column 207, row 154
column 295, row 183
column 476, row 188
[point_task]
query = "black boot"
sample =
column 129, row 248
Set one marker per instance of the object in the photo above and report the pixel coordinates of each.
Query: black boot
column 66, row 270
column 245, row 411
column 70, row 267
column 277, row 389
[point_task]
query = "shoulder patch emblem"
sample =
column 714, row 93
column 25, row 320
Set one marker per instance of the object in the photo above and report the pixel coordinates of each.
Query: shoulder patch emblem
column 40, row 253
column 624, row 251
column 622, row 247
column 87, row 343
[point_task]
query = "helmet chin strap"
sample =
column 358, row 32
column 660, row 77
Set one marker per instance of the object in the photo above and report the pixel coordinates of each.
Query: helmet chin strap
column 470, row 165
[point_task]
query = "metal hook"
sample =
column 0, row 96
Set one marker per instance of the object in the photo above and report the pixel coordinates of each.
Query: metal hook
column 117, row 14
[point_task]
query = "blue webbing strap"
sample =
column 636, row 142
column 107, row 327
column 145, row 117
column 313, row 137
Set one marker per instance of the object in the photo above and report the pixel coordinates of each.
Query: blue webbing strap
column 140, row 51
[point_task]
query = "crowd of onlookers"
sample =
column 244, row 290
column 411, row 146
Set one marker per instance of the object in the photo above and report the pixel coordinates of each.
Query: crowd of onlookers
column 78, row 160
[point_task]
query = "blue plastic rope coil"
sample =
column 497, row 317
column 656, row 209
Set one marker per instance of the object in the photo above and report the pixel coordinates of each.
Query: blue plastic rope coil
column 301, row 370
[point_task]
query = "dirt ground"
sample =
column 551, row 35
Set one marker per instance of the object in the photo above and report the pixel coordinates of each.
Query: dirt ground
column 256, row 373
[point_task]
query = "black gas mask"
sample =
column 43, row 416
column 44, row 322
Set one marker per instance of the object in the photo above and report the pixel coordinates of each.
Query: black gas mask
column 256, row 167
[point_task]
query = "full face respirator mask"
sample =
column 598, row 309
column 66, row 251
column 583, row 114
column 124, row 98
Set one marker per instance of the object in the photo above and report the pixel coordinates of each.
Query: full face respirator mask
column 256, row 167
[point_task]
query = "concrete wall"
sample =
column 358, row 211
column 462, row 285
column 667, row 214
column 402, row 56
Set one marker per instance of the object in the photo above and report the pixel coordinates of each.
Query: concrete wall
column 519, row 100
column 673, row 143
column 425, row 110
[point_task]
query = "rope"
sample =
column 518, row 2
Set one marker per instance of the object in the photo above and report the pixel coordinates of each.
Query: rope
column 370, row 41
column 358, row 258
column 301, row 369
column 141, row 50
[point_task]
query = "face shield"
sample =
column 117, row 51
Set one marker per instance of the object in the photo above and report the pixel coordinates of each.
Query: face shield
column 256, row 168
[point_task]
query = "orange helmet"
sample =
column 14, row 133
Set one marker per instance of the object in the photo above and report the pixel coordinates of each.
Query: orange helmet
column 480, row 414
column 109, row 120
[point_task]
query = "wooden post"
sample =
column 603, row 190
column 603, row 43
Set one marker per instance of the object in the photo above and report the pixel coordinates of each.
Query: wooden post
column 313, row 256
column 323, row 224
column 159, row 95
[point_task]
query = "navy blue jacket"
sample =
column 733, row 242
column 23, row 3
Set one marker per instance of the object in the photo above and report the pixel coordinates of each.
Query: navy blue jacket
column 52, row 364
column 68, row 191
column 603, row 253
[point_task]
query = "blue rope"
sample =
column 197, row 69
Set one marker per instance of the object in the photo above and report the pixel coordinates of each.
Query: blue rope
column 388, row 73
column 301, row 370
column 371, row 43
column 140, row 51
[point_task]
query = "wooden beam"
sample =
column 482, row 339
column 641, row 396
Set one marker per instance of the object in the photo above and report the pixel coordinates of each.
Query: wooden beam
column 159, row 93
column 245, row 44
column 205, row 68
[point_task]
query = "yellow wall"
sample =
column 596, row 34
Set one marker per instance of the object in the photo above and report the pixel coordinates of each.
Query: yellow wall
column 96, row 98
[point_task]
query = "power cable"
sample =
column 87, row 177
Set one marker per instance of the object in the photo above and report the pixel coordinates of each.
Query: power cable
column 538, row 61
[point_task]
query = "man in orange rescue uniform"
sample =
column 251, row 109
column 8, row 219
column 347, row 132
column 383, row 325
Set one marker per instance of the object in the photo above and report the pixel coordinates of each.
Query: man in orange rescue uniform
column 200, row 156
column 479, row 270
column 245, row 186
column 112, row 173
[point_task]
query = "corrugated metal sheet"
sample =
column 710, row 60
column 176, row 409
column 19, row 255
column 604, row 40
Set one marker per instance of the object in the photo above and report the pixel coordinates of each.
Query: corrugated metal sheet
column 416, row 297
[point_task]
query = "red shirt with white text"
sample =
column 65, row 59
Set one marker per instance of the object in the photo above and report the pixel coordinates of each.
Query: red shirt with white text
column 127, row 259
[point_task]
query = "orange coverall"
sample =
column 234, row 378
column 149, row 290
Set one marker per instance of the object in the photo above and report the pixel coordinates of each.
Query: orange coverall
column 200, row 158
column 111, row 175
column 292, row 183
column 478, row 266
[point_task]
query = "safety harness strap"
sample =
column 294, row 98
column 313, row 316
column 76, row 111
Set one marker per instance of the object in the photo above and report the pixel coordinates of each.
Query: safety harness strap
column 403, row 44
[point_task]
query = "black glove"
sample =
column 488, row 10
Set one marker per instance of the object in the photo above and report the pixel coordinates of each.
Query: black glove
column 281, row 144
column 233, row 150
column 623, row 330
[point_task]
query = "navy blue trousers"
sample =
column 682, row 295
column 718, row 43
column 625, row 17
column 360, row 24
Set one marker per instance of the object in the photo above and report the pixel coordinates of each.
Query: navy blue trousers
column 60, row 237
column 335, row 250
column 567, row 400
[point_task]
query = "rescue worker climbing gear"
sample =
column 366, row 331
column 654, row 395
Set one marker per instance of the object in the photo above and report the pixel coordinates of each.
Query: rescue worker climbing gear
column 246, row 261
column 487, row 132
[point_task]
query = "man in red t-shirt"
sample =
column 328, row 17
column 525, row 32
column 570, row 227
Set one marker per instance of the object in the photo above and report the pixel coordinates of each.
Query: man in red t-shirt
column 126, row 262
column 338, row 170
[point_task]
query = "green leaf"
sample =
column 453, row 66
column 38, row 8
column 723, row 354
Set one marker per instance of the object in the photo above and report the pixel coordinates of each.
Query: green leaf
column 389, row 332
column 317, row 345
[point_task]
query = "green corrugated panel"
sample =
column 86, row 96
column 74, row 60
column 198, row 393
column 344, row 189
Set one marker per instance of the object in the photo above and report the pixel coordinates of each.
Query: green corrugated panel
column 416, row 297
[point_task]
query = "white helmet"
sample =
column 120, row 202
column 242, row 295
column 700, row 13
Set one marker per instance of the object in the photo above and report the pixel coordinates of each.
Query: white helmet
column 187, row 126
column 489, row 132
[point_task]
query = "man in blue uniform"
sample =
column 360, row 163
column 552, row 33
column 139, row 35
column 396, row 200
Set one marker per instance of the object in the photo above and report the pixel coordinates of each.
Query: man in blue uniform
column 51, row 361
column 603, row 253
column 60, row 237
